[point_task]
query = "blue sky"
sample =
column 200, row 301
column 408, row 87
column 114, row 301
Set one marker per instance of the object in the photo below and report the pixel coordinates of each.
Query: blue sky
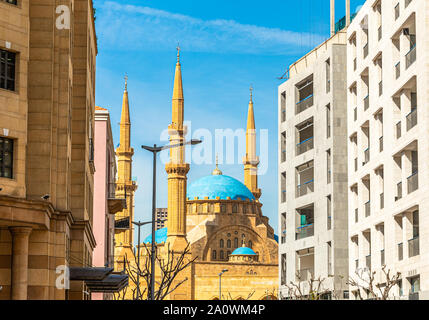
column 226, row 47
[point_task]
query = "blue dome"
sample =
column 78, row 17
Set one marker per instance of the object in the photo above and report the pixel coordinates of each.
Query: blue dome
column 243, row 251
column 160, row 236
column 219, row 186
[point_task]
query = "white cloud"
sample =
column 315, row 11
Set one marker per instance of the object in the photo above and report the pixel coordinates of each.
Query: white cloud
column 138, row 27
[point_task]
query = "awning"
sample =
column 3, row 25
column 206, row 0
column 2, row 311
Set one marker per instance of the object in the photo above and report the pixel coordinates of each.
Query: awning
column 99, row 279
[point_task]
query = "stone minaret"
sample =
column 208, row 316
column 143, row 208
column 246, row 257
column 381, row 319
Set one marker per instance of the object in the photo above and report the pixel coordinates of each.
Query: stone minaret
column 251, row 161
column 125, row 187
column 177, row 169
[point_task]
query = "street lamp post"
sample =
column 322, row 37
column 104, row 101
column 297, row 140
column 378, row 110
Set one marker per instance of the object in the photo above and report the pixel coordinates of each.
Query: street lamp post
column 155, row 150
column 220, row 283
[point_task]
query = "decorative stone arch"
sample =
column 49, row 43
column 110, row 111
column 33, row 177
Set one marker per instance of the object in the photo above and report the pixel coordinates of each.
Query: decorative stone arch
column 264, row 256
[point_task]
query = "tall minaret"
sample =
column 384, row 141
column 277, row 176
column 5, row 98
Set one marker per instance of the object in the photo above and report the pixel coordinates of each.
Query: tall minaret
column 251, row 161
column 125, row 187
column 177, row 169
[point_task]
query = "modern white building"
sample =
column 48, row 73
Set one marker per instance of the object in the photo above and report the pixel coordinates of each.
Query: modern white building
column 388, row 145
column 313, row 169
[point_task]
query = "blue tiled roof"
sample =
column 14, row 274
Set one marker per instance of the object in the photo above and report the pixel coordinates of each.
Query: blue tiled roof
column 160, row 236
column 219, row 186
column 243, row 251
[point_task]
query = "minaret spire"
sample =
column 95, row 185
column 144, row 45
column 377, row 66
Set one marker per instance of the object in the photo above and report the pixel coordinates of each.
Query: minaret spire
column 177, row 169
column 125, row 187
column 251, row 161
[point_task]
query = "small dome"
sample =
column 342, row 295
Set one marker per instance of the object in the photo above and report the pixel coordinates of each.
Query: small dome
column 160, row 236
column 221, row 186
column 243, row 251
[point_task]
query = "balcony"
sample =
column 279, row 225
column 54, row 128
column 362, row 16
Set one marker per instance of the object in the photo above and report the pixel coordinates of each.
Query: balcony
column 382, row 258
column 381, row 145
column 365, row 50
column 398, row 70
column 412, row 119
column 410, row 57
column 304, row 231
column 366, row 103
column 368, row 261
column 304, row 146
column 398, row 130
column 304, row 104
column 400, row 251
column 367, row 209
column 366, row 156
column 413, row 182
column 413, row 247
column 398, row 191
column 305, row 188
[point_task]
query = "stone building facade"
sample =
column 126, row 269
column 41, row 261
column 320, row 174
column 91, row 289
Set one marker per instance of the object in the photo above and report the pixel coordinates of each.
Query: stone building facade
column 46, row 132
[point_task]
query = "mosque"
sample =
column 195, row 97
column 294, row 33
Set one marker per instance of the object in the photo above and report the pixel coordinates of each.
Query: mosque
column 219, row 217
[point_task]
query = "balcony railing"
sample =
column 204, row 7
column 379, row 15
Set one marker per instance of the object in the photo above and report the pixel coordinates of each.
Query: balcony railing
column 365, row 50
column 398, row 69
column 305, row 231
column 382, row 258
column 304, row 146
column 412, row 119
column 304, row 104
column 380, row 88
column 368, row 261
column 413, row 182
column 413, row 247
column 368, row 209
column 410, row 57
column 366, row 155
column 381, row 144
column 398, row 130
column 399, row 191
column 366, row 103
column 400, row 251
column 305, row 188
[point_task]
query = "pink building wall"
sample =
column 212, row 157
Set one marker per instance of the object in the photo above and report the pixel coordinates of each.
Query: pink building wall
column 105, row 170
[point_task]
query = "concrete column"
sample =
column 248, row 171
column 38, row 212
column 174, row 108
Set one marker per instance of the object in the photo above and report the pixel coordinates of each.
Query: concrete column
column 347, row 13
column 20, row 236
column 332, row 17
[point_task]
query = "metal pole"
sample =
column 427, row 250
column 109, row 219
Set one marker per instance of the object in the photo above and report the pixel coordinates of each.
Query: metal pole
column 220, row 286
column 152, row 276
column 138, row 263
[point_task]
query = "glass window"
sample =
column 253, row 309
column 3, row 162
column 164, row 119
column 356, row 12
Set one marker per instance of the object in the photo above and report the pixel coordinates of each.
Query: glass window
column 235, row 242
column 228, row 243
column 214, row 254
column 222, row 255
column 221, row 243
column 7, row 70
column 6, row 158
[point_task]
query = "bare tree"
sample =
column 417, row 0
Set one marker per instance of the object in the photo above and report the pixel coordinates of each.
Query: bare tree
column 228, row 296
column 365, row 281
column 311, row 289
column 169, row 266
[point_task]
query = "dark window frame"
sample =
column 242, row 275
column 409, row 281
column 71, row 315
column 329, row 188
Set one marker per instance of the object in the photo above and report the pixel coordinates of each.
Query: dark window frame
column 3, row 166
column 7, row 76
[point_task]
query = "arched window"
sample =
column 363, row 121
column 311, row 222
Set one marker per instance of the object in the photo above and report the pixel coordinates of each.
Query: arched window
column 228, row 243
column 234, row 208
column 214, row 255
column 223, row 208
column 250, row 244
column 235, row 242
column 221, row 255
column 221, row 243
